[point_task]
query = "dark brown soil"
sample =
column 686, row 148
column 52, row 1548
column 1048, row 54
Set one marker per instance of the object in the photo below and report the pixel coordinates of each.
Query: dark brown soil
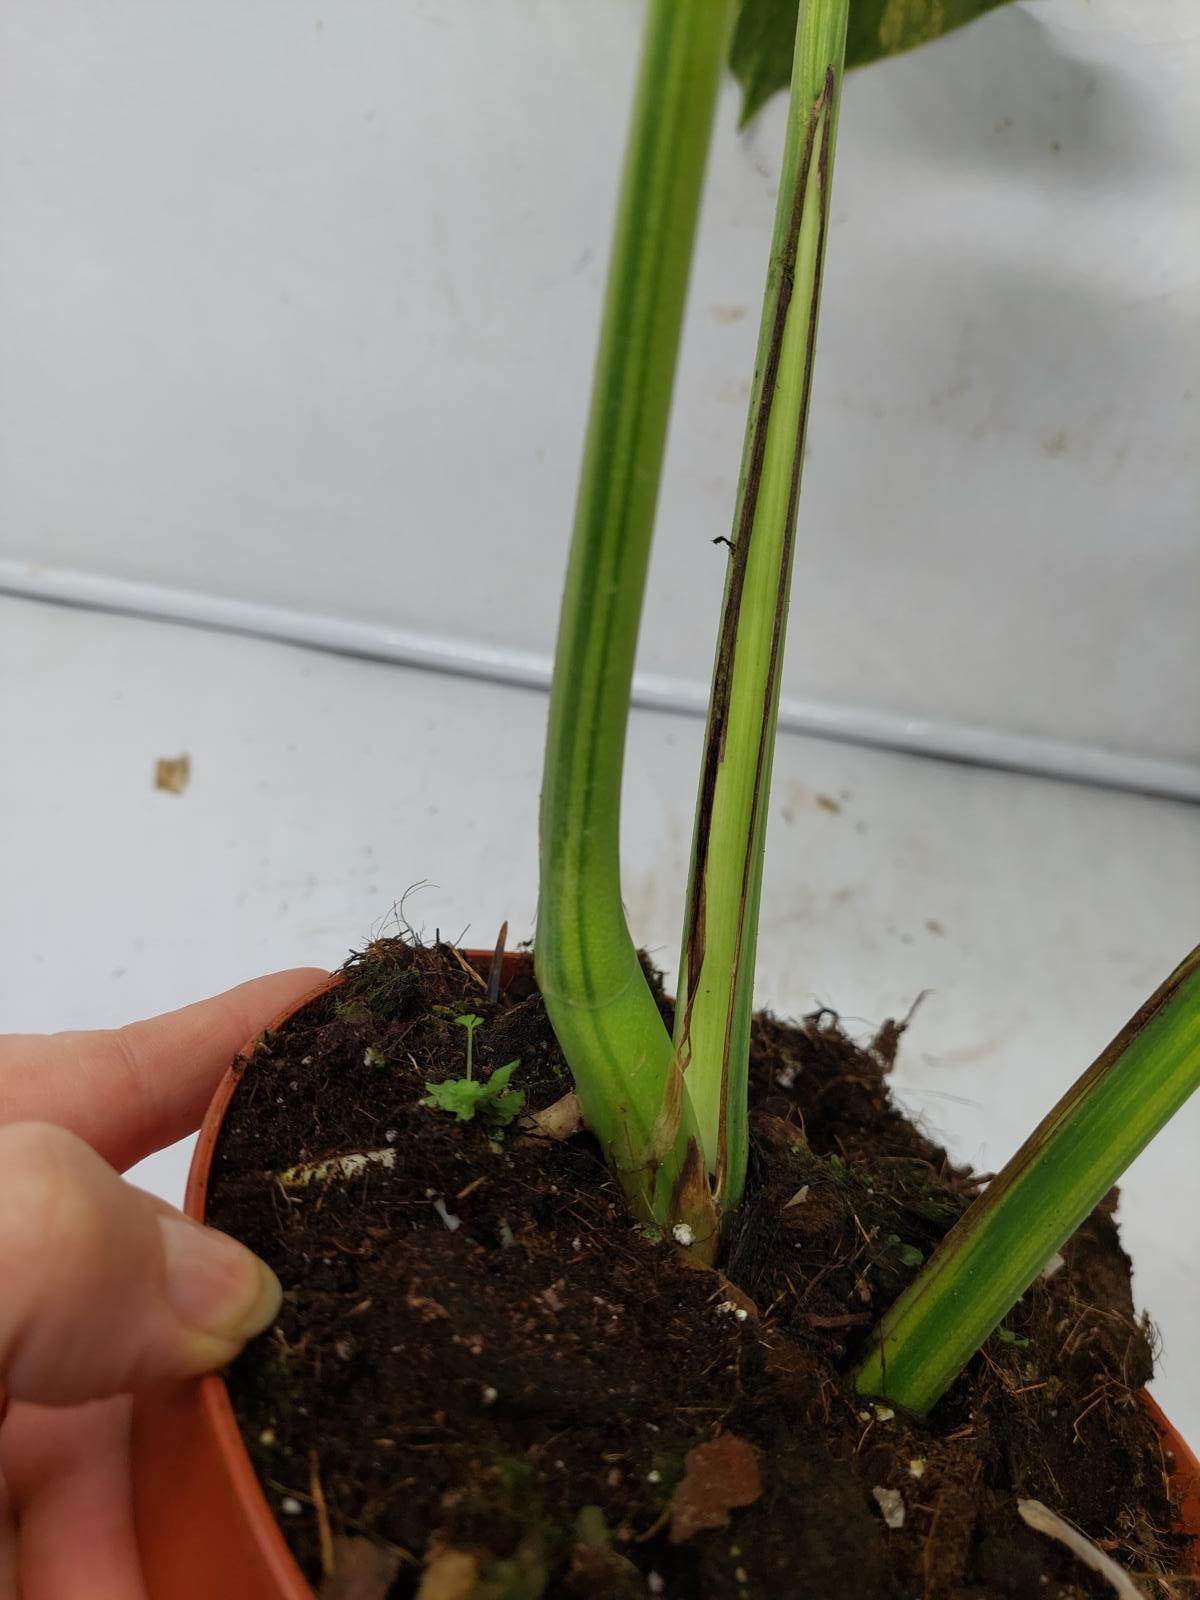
column 484, row 1366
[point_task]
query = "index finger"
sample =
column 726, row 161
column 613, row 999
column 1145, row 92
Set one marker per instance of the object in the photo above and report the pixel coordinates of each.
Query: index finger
column 133, row 1090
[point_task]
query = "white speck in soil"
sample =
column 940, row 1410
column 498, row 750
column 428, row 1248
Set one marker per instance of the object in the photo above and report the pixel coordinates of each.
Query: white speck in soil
column 290, row 1506
column 891, row 1505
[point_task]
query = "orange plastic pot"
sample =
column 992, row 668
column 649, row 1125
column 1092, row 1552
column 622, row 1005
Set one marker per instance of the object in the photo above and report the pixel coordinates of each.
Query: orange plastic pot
column 1180, row 1464
column 204, row 1526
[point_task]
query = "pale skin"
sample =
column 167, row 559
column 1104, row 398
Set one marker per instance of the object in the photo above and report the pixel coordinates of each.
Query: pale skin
column 104, row 1288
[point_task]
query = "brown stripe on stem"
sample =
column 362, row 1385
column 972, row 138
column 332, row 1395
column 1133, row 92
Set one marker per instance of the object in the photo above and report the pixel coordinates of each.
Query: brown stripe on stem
column 766, row 738
column 715, row 737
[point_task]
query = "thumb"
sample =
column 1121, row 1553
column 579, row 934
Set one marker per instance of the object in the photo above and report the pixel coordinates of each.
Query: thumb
column 104, row 1288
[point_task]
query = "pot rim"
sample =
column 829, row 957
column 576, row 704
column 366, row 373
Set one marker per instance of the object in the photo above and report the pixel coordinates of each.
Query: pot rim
column 1180, row 1464
column 213, row 1392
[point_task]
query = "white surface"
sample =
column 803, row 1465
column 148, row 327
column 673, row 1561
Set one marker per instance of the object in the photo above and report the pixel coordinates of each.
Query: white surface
column 527, row 669
column 1039, row 914
column 297, row 304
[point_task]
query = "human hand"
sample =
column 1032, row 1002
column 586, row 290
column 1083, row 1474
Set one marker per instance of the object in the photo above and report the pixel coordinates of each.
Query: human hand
column 102, row 1287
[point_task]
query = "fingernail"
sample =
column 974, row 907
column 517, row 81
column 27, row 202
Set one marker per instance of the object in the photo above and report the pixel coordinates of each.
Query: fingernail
column 214, row 1284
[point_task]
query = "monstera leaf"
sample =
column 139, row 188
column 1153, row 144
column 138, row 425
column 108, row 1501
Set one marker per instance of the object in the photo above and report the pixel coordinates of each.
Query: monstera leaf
column 761, row 53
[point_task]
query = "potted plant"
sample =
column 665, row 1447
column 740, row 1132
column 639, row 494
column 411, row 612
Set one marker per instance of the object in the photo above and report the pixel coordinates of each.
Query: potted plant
column 756, row 1373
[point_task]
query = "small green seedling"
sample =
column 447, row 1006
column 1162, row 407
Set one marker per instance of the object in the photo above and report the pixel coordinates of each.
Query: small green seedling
column 907, row 1254
column 1007, row 1336
column 470, row 1022
column 492, row 1100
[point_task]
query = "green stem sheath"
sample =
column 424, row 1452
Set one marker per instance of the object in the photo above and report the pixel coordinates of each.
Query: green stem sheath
column 715, row 1003
column 1066, row 1166
column 599, row 1002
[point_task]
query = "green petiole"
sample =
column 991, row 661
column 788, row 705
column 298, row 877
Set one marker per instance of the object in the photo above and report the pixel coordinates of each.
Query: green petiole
column 988, row 1260
column 716, row 977
column 599, row 1002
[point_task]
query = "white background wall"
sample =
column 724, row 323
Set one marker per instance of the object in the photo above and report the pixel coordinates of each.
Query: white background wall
column 298, row 302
